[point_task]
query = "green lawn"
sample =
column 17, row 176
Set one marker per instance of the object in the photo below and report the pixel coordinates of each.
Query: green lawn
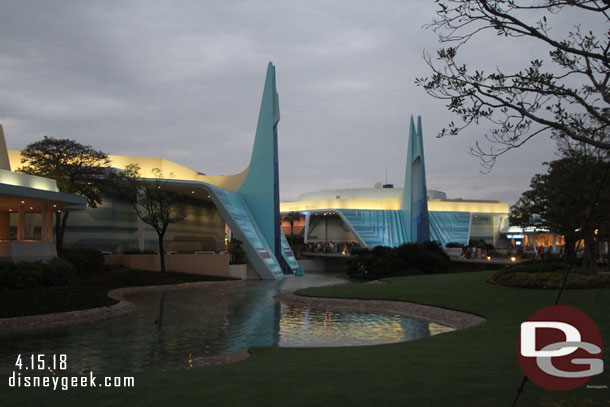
column 473, row 367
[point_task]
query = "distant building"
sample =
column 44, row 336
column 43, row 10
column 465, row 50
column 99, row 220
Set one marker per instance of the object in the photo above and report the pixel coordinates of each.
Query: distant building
column 246, row 206
column 387, row 216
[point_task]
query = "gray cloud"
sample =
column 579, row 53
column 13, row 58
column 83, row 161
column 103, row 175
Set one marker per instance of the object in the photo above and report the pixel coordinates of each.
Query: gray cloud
column 183, row 80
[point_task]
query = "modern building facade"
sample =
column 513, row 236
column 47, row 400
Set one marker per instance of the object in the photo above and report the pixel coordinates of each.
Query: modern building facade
column 247, row 202
column 388, row 216
column 246, row 205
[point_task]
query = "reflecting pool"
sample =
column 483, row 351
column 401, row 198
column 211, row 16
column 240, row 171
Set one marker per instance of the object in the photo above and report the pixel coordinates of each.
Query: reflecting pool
column 170, row 327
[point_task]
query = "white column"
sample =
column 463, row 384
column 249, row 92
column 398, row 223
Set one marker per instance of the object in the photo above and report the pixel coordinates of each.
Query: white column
column 20, row 223
column 50, row 217
column 306, row 232
column 44, row 223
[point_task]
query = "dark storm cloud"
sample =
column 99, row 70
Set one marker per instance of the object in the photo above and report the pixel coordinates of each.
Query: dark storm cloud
column 183, row 80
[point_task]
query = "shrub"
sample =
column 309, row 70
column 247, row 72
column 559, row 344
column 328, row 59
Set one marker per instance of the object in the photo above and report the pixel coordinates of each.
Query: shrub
column 28, row 274
column 85, row 260
column 238, row 255
column 407, row 259
column 57, row 272
column 547, row 274
column 20, row 274
column 454, row 245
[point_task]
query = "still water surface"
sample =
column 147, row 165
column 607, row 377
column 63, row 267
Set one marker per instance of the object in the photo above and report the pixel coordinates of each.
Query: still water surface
column 171, row 327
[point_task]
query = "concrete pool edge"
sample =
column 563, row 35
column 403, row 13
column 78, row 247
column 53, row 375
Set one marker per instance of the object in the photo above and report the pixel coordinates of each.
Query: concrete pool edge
column 441, row 316
column 35, row 322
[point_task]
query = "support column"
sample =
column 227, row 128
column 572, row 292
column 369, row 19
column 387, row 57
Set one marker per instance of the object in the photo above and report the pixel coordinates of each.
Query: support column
column 20, row 223
column 306, row 232
column 50, row 217
column 44, row 223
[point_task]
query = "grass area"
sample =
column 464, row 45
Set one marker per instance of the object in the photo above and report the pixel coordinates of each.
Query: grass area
column 89, row 290
column 472, row 367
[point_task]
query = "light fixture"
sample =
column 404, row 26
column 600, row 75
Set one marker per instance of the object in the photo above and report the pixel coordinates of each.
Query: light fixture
column 22, row 202
column 54, row 206
column 488, row 258
column 192, row 192
column 31, row 207
column 10, row 210
column 513, row 258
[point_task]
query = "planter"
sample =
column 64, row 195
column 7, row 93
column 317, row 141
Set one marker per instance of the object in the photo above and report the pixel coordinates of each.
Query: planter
column 453, row 252
column 239, row 271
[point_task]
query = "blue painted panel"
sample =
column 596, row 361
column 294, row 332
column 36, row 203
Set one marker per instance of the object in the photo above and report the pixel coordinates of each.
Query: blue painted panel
column 378, row 227
column 448, row 227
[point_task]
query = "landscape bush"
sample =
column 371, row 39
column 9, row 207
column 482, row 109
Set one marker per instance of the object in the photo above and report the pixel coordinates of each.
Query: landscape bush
column 407, row 259
column 29, row 274
column 238, row 255
column 547, row 274
column 85, row 260
column 454, row 245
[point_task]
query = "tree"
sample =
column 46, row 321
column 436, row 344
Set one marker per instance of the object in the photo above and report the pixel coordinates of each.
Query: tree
column 569, row 199
column 568, row 92
column 153, row 202
column 76, row 168
column 291, row 217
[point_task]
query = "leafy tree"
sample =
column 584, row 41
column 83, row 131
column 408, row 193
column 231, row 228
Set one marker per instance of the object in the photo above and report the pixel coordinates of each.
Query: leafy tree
column 77, row 169
column 153, row 202
column 570, row 199
column 567, row 92
column 291, row 217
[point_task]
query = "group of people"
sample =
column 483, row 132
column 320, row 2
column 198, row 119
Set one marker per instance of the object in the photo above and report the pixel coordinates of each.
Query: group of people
column 331, row 247
column 473, row 252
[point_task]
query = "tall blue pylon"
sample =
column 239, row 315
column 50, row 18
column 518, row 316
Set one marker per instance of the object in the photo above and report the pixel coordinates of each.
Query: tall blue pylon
column 415, row 194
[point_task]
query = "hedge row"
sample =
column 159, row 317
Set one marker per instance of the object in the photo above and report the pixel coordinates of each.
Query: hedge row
column 29, row 274
column 407, row 259
column 547, row 274
column 59, row 271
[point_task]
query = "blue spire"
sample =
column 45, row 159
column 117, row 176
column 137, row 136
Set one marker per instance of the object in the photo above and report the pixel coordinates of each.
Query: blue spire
column 260, row 189
column 415, row 199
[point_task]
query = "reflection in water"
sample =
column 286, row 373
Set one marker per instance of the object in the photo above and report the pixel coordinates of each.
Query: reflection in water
column 170, row 328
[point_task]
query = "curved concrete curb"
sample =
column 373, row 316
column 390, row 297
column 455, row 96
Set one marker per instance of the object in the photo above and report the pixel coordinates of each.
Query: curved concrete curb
column 21, row 324
column 442, row 316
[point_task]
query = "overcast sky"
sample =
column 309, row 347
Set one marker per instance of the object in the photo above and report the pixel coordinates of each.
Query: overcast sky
column 183, row 81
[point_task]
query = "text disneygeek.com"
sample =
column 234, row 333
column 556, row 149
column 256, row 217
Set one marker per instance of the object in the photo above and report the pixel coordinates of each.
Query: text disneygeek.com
column 42, row 364
column 68, row 382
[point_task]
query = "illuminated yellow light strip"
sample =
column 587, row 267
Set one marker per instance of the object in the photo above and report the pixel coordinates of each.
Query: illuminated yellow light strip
column 392, row 204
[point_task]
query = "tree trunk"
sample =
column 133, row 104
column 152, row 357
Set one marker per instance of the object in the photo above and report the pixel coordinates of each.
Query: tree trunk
column 292, row 235
column 60, row 229
column 588, row 257
column 568, row 249
column 162, row 251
